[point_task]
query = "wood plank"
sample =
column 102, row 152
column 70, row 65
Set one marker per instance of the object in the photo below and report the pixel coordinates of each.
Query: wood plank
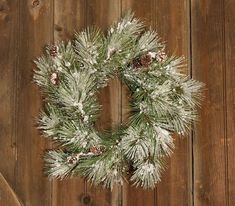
column 172, row 23
column 69, row 16
column 36, row 23
column 166, row 16
column 145, row 10
column 8, row 197
column 229, row 90
column 210, row 135
column 9, row 25
column 68, row 192
column 102, row 14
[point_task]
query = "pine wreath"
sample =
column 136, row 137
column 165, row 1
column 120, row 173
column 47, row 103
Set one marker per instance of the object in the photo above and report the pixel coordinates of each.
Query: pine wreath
column 164, row 102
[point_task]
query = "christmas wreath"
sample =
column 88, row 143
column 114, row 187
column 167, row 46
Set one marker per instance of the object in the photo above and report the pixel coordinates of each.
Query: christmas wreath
column 163, row 103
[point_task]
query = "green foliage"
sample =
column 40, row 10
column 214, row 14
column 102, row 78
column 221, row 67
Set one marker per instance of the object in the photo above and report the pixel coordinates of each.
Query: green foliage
column 163, row 102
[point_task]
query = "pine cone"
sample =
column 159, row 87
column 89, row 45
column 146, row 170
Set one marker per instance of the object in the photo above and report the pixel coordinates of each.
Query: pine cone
column 136, row 63
column 53, row 51
column 146, row 60
column 72, row 159
column 95, row 150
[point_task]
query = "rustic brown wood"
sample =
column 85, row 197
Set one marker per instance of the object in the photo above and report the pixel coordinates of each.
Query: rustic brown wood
column 168, row 16
column 103, row 14
column 9, row 24
column 207, row 177
column 8, row 197
column 35, row 30
column 69, row 16
column 210, row 135
column 172, row 23
column 68, row 192
column 229, row 97
column 146, row 11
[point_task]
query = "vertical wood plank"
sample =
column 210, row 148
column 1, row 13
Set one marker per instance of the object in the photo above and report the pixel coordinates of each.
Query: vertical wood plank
column 9, row 25
column 210, row 135
column 35, row 31
column 172, row 23
column 102, row 14
column 170, row 18
column 69, row 16
column 229, row 74
column 145, row 10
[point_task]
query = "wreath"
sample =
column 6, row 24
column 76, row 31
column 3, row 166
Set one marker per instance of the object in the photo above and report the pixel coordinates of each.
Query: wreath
column 163, row 103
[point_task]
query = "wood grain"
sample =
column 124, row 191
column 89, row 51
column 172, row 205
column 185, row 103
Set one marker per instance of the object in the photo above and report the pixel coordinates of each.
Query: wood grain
column 102, row 14
column 172, row 24
column 69, row 16
column 36, row 23
column 229, row 97
column 210, row 135
column 201, row 170
column 9, row 25
column 131, row 195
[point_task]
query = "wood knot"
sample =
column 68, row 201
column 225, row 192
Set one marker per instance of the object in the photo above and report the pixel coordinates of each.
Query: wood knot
column 4, row 6
column 13, row 145
column 4, row 11
column 58, row 28
column 35, row 8
column 35, row 3
column 86, row 200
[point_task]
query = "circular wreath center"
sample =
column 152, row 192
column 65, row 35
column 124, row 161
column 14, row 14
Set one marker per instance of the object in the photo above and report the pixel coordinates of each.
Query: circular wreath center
column 163, row 101
column 109, row 98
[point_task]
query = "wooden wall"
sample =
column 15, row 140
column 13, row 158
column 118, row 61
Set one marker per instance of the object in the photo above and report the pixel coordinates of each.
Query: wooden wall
column 200, row 172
